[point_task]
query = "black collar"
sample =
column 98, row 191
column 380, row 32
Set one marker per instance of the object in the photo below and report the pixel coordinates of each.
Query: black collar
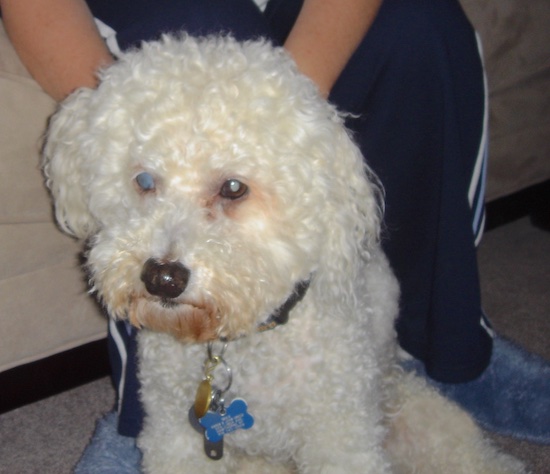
column 280, row 315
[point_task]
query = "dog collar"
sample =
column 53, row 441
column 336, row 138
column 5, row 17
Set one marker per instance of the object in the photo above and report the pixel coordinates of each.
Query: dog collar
column 280, row 315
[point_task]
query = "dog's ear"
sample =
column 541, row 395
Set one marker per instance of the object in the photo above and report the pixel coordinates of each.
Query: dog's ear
column 352, row 216
column 369, row 202
column 64, row 165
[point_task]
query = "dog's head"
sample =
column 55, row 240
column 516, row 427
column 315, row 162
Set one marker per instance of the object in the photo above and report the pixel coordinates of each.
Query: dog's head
column 210, row 178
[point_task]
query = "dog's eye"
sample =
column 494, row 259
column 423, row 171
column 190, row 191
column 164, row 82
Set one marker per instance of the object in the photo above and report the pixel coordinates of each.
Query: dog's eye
column 145, row 181
column 233, row 189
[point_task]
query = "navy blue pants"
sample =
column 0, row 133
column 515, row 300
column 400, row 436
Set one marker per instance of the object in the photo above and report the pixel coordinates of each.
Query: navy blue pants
column 415, row 87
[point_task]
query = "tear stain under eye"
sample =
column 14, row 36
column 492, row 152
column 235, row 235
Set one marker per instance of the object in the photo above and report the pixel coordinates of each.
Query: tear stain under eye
column 215, row 205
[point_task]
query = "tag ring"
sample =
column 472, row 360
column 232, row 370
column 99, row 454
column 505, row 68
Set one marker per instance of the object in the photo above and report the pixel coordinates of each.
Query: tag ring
column 209, row 351
column 214, row 361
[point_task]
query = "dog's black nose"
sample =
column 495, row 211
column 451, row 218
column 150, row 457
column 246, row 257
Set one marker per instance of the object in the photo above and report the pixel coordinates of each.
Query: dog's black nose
column 164, row 279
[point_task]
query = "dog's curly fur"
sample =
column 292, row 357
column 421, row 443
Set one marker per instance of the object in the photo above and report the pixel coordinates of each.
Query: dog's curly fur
column 220, row 156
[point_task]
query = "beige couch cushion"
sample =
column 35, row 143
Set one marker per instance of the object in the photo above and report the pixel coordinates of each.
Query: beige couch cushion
column 516, row 44
column 44, row 307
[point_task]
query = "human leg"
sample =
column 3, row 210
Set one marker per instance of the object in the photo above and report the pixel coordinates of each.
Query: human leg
column 422, row 116
column 420, row 122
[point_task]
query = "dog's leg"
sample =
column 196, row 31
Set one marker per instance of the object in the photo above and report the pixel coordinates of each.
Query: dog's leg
column 345, row 440
column 328, row 453
column 429, row 434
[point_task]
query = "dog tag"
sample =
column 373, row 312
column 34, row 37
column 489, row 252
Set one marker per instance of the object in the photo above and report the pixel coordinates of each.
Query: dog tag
column 234, row 417
column 203, row 398
column 213, row 449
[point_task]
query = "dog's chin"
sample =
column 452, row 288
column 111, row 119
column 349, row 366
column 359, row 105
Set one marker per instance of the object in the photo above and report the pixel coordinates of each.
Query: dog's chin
column 187, row 322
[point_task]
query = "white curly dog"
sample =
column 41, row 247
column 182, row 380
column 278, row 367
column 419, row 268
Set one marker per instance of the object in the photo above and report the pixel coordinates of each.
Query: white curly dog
column 222, row 196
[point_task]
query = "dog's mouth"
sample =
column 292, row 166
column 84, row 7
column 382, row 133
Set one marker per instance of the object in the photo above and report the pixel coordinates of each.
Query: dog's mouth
column 186, row 321
column 168, row 303
column 164, row 307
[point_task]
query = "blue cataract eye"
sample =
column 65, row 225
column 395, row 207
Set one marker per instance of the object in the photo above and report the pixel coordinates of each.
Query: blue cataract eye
column 145, row 181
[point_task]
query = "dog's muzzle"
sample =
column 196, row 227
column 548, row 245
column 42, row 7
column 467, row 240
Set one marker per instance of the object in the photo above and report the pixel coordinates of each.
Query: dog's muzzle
column 166, row 280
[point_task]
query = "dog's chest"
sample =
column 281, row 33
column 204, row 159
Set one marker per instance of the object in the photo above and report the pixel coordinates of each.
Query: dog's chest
column 273, row 374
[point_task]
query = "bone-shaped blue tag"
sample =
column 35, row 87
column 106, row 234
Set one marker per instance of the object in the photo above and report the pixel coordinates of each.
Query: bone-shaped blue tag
column 236, row 417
